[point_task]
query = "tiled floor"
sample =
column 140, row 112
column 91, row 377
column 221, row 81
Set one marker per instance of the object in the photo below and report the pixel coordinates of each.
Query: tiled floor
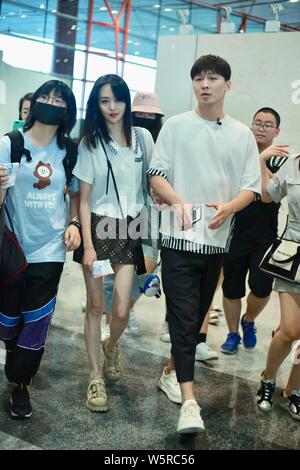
column 141, row 416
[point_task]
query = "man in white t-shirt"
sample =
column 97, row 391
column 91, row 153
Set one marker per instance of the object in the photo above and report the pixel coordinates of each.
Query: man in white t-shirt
column 208, row 160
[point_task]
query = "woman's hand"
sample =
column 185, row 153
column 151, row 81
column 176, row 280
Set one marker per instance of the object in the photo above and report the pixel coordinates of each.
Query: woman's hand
column 277, row 150
column 72, row 238
column 4, row 178
column 88, row 258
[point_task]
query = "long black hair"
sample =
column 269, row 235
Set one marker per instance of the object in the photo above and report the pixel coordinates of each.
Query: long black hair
column 95, row 127
column 63, row 91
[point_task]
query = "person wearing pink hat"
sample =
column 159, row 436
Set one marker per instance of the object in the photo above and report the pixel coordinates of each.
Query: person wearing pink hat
column 146, row 112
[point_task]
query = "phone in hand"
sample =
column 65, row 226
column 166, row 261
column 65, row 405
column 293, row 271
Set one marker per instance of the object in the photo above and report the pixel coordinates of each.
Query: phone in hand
column 196, row 214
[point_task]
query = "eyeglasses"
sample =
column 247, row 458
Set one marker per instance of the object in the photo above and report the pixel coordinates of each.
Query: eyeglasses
column 267, row 126
column 56, row 100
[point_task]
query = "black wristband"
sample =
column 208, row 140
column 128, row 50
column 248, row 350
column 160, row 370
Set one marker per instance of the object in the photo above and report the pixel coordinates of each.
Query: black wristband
column 74, row 222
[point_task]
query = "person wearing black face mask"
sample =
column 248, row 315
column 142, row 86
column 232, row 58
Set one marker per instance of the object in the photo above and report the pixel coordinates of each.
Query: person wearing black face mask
column 147, row 113
column 36, row 204
column 49, row 114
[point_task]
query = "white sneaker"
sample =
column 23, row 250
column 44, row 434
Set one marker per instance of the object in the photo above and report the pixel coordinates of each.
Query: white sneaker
column 133, row 328
column 190, row 419
column 164, row 334
column 214, row 317
column 168, row 384
column 204, row 353
column 105, row 331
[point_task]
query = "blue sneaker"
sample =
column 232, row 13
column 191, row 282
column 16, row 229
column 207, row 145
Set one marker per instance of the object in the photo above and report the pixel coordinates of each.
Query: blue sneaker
column 231, row 344
column 249, row 333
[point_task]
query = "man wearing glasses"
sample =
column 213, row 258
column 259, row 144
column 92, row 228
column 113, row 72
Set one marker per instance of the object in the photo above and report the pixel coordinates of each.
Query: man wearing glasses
column 254, row 230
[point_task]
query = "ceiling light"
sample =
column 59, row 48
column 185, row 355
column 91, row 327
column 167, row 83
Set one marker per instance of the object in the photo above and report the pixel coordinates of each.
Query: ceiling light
column 168, row 9
column 136, row 43
column 102, row 8
column 114, row 11
column 54, row 11
column 42, row 6
column 23, row 16
column 73, row 27
column 163, row 26
column 293, row 1
column 136, row 53
column 156, row 5
column 171, row 29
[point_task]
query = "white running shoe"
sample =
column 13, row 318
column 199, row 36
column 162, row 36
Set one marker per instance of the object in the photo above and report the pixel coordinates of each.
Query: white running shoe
column 204, row 353
column 133, row 327
column 168, row 384
column 164, row 334
column 190, row 420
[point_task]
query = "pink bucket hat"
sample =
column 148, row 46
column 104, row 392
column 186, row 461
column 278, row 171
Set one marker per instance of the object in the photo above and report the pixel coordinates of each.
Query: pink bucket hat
column 145, row 102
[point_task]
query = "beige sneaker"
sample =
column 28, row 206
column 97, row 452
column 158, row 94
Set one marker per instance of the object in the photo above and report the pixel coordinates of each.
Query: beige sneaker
column 96, row 398
column 113, row 366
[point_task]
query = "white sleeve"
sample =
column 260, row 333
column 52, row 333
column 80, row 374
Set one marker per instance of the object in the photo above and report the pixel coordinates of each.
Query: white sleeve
column 149, row 145
column 251, row 178
column 84, row 168
column 5, row 149
column 160, row 162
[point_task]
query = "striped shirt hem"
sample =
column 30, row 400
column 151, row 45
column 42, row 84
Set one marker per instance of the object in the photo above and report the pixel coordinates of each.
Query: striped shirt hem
column 186, row 245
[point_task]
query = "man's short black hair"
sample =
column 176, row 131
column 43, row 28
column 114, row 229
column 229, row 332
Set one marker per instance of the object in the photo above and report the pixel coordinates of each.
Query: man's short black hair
column 271, row 111
column 211, row 63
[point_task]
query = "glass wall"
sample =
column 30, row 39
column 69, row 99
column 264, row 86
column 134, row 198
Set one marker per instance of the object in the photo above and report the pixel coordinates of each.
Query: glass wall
column 30, row 32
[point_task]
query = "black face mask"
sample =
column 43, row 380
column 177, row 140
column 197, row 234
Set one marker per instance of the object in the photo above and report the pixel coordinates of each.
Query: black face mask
column 48, row 113
column 144, row 122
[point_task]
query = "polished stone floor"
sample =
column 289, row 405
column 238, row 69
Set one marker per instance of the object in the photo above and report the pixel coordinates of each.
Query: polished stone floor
column 140, row 415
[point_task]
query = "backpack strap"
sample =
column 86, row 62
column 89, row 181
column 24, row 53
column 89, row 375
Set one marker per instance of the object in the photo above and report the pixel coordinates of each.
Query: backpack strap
column 70, row 159
column 17, row 147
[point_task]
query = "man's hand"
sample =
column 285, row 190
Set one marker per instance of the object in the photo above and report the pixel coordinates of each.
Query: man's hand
column 277, row 150
column 223, row 211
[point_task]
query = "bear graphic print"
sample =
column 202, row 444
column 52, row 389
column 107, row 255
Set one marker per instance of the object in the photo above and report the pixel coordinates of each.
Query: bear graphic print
column 42, row 172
